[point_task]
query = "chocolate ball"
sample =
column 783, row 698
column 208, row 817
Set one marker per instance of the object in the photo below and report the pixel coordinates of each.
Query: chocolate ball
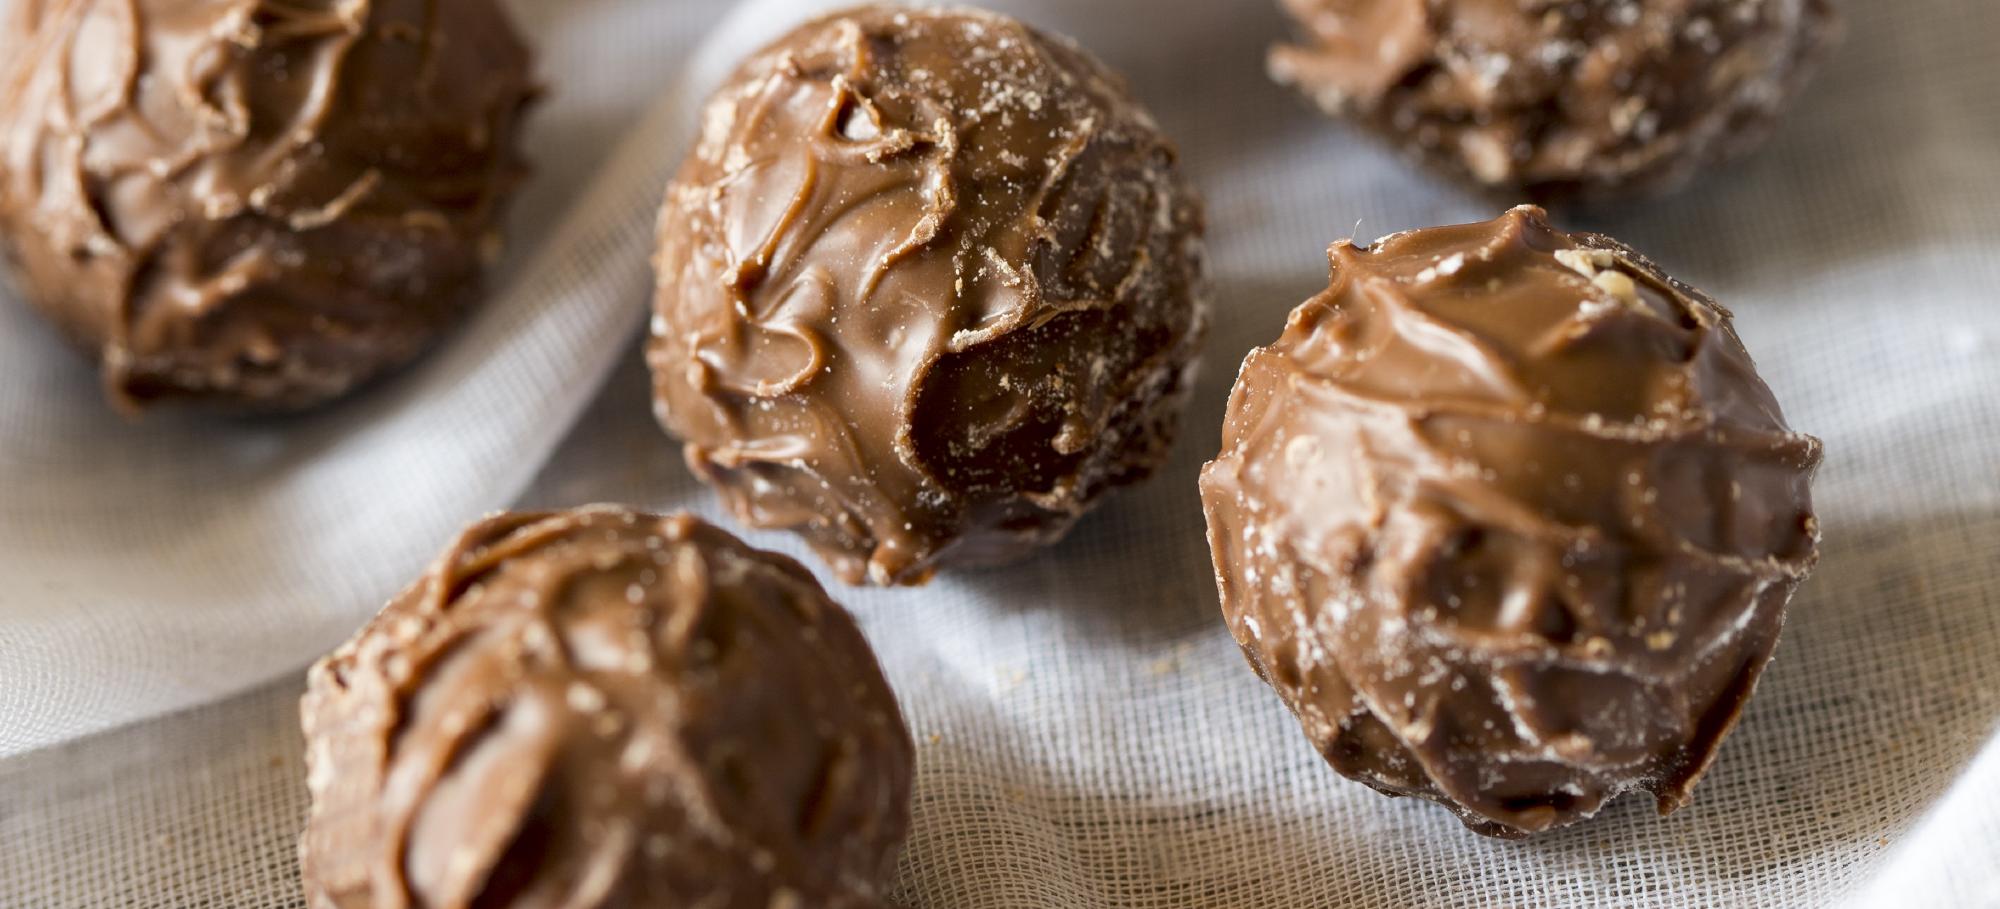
column 1560, row 99
column 256, row 206
column 930, row 285
column 1508, row 519
column 604, row 708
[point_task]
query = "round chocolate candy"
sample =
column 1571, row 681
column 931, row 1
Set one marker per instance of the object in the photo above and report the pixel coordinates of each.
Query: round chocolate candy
column 604, row 708
column 930, row 284
column 1570, row 100
column 255, row 205
column 1508, row 519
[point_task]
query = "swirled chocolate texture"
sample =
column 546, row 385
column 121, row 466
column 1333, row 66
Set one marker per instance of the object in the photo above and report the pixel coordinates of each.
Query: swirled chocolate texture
column 602, row 708
column 1560, row 100
column 930, row 285
column 1508, row 519
column 250, row 204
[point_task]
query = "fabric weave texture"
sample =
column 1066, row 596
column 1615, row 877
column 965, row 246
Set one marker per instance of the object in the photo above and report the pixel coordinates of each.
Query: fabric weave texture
column 1087, row 734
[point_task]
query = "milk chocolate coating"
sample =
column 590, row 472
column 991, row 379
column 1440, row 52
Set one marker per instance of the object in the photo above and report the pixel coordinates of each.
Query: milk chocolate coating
column 1560, row 99
column 929, row 285
column 1509, row 520
column 253, row 204
column 602, row 708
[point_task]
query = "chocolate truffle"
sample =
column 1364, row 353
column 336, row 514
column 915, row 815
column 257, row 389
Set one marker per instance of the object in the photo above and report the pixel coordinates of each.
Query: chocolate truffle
column 1560, row 99
column 604, row 708
column 1508, row 519
column 251, row 204
column 930, row 284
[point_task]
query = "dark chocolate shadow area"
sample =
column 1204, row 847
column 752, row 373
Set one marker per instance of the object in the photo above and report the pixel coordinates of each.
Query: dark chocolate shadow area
column 1137, row 570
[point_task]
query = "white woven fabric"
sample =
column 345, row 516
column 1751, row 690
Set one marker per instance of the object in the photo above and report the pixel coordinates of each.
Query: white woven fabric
column 1087, row 735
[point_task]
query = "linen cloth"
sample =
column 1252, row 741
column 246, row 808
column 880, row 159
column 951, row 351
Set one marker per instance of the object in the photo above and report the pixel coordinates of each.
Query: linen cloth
column 1087, row 734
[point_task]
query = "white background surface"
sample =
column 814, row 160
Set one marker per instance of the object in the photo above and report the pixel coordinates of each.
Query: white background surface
column 1087, row 734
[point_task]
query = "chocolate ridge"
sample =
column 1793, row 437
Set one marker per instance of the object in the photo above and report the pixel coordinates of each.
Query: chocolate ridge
column 930, row 284
column 1509, row 521
column 603, row 707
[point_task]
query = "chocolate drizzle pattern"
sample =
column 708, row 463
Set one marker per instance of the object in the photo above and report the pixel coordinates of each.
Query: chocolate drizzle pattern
column 1508, row 519
column 255, row 204
column 1561, row 99
column 930, row 285
column 604, row 708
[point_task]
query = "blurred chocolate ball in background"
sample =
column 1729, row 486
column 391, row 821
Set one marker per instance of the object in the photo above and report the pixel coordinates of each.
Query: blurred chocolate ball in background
column 602, row 708
column 256, row 206
column 1560, row 100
